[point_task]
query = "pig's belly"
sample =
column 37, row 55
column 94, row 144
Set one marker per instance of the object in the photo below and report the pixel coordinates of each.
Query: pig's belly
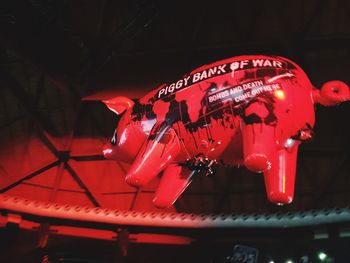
column 210, row 140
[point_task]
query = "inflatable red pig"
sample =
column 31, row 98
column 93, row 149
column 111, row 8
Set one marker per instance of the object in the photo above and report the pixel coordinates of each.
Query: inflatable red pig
column 246, row 110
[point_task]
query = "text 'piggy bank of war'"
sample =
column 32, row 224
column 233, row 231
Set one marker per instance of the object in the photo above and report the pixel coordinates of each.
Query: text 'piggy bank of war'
column 247, row 110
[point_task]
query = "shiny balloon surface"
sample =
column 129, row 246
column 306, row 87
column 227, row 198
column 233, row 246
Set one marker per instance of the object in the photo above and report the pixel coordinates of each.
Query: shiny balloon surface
column 247, row 110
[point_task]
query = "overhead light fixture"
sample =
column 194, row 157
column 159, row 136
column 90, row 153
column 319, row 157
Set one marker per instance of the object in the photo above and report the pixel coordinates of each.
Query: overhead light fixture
column 321, row 234
column 322, row 256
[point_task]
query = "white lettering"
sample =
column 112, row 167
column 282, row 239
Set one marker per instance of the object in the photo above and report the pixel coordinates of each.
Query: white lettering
column 196, row 77
column 242, row 97
column 243, row 63
column 234, row 66
column 267, row 63
column 221, row 95
column 257, row 91
column 204, row 75
column 179, row 84
column 161, row 92
column 171, row 88
column 277, row 64
column 186, row 80
column 257, row 62
column 221, row 69
column 212, row 71
column 235, row 90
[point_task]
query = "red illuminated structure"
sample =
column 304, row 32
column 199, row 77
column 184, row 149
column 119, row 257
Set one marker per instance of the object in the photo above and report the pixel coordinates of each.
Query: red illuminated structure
column 247, row 110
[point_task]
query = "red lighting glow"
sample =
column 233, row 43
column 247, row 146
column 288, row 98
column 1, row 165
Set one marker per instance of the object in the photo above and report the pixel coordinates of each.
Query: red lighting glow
column 159, row 133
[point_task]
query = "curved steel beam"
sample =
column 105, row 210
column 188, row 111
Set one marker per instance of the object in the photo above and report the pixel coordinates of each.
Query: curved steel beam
column 85, row 214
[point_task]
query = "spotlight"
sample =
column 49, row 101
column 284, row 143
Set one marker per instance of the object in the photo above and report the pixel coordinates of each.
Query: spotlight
column 271, row 261
column 279, row 94
column 289, row 261
column 322, row 256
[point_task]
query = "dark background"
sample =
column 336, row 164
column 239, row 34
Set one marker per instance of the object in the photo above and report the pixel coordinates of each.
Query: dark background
column 59, row 58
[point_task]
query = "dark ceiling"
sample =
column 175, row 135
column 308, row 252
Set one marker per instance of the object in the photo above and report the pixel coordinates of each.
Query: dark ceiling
column 58, row 57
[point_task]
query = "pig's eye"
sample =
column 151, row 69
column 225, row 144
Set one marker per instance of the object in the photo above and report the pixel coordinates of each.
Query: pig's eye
column 114, row 138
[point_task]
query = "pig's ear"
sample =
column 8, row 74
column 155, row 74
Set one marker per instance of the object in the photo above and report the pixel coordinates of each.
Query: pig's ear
column 119, row 104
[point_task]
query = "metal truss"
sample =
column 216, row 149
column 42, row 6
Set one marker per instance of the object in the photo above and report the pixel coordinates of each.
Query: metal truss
column 109, row 218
